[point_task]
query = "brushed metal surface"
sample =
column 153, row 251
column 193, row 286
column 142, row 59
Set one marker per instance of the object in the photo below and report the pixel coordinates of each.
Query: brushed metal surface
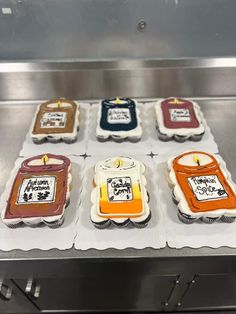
column 212, row 77
column 15, row 119
column 108, row 29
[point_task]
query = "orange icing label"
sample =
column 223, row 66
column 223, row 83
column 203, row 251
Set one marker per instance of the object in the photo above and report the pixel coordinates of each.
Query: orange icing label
column 204, row 185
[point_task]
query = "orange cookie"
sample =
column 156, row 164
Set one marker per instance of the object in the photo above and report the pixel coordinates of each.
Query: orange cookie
column 201, row 188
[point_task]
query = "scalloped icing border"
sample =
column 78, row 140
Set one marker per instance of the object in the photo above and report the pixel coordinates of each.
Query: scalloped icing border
column 125, row 220
column 182, row 202
column 187, row 132
column 62, row 136
column 135, row 133
column 37, row 220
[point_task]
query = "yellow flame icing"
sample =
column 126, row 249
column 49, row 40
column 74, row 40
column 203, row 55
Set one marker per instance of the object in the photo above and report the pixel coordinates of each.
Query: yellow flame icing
column 118, row 162
column 117, row 101
column 196, row 159
column 176, row 101
column 45, row 159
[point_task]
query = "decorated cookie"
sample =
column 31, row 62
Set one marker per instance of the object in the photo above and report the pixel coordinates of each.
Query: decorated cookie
column 56, row 120
column 118, row 118
column 40, row 192
column 179, row 119
column 201, row 188
column 119, row 195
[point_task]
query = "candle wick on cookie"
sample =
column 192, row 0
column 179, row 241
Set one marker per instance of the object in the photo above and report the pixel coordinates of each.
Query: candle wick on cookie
column 45, row 159
column 118, row 163
column 197, row 160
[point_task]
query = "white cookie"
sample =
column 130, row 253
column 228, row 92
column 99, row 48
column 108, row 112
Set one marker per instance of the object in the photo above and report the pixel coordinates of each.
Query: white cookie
column 119, row 185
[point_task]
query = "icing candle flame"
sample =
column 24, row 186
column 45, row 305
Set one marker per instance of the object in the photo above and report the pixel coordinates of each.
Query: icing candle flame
column 196, row 159
column 117, row 101
column 176, row 101
column 118, row 163
column 58, row 104
column 45, row 159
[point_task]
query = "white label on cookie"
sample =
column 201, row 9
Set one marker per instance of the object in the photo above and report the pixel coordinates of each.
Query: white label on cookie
column 207, row 188
column 119, row 189
column 120, row 115
column 37, row 190
column 53, row 120
column 179, row 115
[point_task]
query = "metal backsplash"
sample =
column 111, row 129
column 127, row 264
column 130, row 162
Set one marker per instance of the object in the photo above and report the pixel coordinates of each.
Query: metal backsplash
column 110, row 29
column 93, row 80
column 89, row 49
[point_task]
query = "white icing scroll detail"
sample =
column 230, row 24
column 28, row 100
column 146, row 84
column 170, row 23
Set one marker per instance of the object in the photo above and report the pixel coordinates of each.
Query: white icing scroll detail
column 119, row 189
column 37, row 190
column 180, row 115
column 120, row 115
column 207, row 188
column 54, row 120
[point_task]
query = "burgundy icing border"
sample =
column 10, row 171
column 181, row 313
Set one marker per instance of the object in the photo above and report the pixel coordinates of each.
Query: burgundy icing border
column 165, row 106
column 28, row 169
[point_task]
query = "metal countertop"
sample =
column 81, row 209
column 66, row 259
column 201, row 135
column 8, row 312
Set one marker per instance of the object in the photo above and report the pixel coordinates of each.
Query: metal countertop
column 15, row 120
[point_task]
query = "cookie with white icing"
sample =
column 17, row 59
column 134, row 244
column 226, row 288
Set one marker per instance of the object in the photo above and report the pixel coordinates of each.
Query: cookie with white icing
column 119, row 119
column 56, row 120
column 179, row 119
column 119, row 196
column 40, row 192
column 201, row 188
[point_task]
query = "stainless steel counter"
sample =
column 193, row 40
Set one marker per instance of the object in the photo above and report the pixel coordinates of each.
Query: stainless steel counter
column 15, row 119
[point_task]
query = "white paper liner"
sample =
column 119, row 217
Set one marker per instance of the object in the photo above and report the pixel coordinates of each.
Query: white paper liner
column 95, row 147
column 89, row 236
column 197, row 234
column 77, row 148
column 43, row 237
column 172, row 147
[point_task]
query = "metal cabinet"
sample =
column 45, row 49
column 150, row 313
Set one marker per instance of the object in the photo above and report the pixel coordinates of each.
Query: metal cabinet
column 154, row 293
column 122, row 286
column 101, row 293
column 13, row 300
column 209, row 292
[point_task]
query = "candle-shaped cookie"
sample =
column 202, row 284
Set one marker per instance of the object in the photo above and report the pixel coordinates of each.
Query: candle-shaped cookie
column 201, row 188
column 119, row 119
column 56, row 120
column 179, row 119
column 40, row 192
column 119, row 195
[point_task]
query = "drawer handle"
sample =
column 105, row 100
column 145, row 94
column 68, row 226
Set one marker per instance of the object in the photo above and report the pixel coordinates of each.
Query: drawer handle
column 5, row 291
column 32, row 288
column 175, row 285
column 189, row 286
